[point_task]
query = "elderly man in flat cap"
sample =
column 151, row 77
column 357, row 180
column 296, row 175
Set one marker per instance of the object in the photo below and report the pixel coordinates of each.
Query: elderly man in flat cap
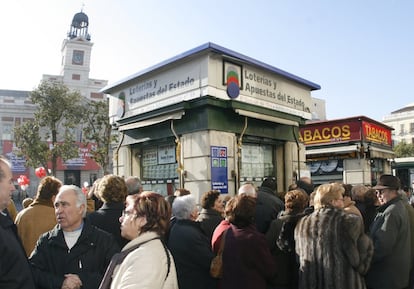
column 390, row 232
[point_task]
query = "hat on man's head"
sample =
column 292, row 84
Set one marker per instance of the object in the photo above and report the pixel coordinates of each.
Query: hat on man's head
column 388, row 182
column 269, row 182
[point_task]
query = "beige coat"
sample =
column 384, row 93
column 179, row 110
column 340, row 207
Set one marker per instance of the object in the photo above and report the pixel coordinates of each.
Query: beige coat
column 36, row 219
column 146, row 266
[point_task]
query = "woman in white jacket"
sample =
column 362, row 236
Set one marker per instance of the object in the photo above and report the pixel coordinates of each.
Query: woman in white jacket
column 145, row 261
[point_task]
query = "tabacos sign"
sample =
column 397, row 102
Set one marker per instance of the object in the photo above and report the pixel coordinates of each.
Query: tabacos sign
column 344, row 131
column 375, row 133
column 327, row 133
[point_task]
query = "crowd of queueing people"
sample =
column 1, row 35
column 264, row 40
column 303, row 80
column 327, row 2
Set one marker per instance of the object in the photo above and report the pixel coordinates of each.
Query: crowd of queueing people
column 119, row 236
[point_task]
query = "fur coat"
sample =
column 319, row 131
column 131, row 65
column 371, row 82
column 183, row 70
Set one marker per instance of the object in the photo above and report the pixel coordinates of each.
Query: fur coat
column 333, row 250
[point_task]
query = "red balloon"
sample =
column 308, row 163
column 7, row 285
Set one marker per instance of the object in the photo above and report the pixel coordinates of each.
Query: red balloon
column 23, row 180
column 40, row 172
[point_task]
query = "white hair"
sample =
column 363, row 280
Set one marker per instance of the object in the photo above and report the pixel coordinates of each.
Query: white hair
column 80, row 196
column 248, row 189
column 183, row 207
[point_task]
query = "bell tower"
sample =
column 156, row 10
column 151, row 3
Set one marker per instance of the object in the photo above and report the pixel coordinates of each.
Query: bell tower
column 76, row 52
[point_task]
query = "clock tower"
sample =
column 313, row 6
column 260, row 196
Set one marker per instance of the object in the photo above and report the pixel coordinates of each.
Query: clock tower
column 76, row 52
column 74, row 74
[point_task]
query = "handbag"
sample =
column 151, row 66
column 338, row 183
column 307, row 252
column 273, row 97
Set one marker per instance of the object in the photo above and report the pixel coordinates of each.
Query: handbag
column 216, row 266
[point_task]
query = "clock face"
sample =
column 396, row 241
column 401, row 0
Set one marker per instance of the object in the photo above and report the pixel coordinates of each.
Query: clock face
column 77, row 57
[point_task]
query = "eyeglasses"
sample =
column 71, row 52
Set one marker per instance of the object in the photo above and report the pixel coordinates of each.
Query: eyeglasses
column 126, row 213
column 380, row 192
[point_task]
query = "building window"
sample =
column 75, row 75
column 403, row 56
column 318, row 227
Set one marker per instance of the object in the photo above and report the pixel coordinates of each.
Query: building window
column 75, row 76
column 412, row 127
column 159, row 163
column 257, row 162
column 7, row 131
column 159, row 168
column 96, row 95
column 7, row 118
column 402, row 129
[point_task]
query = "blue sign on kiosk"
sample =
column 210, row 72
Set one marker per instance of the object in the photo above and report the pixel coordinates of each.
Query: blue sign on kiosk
column 219, row 180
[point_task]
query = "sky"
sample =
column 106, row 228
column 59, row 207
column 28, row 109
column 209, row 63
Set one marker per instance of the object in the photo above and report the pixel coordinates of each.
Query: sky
column 361, row 53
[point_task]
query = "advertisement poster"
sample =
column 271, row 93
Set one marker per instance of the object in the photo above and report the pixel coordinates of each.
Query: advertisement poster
column 219, row 180
column 83, row 162
column 166, row 154
column 18, row 163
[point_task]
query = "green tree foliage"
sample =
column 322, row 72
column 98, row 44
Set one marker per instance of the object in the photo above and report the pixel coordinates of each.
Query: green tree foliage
column 50, row 134
column 31, row 145
column 404, row 149
column 97, row 130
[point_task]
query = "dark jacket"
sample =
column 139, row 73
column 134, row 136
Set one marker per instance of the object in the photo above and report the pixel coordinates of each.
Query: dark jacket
column 390, row 233
column 368, row 215
column 268, row 206
column 192, row 254
column 15, row 271
column 281, row 241
column 209, row 220
column 247, row 261
column 107, row 219
column 88, row 258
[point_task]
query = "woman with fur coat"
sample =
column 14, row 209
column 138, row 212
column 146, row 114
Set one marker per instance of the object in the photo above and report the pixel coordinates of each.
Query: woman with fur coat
column 333, row 250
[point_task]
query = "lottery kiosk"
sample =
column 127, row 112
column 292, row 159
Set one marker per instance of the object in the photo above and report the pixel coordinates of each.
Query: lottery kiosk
column 209, row 119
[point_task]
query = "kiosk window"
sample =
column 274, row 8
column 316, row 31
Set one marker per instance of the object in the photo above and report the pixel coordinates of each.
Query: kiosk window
column 257, row 162
column 159, row 163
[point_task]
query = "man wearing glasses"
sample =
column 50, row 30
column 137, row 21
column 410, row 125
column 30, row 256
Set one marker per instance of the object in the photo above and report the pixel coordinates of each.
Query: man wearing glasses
column 390, row 232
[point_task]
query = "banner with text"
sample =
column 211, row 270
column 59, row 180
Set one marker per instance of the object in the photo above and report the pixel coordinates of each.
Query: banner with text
column 219, row 180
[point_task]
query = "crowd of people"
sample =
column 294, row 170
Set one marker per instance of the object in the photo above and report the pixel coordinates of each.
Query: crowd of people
column 118, row 236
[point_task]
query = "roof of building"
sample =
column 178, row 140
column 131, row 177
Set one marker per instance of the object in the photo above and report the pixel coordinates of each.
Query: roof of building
column 209, row 46
column 80, row 20
column 409, row 107
column 310, row 123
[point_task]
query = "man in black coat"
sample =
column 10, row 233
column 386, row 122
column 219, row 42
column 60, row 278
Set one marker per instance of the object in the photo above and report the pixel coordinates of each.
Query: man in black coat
column 190, row 247
column 390, row 233
column 74, row 254
column 14, row 269
column 268, row 205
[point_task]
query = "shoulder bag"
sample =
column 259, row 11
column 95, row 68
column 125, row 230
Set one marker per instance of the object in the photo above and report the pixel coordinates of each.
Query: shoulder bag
column 119, row 257
column 216, row 266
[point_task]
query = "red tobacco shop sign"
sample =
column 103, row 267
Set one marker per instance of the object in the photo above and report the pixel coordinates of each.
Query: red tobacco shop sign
column 346, row 130
column 375, row 133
